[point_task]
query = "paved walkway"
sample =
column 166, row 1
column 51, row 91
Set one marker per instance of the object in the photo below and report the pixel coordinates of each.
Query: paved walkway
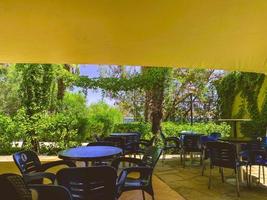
column 189, row 183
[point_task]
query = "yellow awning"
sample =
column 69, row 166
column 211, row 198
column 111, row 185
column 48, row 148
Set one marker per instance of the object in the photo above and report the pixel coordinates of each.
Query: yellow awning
column 221, row 34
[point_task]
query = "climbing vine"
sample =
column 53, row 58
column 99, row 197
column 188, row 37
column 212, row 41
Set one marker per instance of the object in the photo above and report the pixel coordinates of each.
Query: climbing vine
column 248, row 85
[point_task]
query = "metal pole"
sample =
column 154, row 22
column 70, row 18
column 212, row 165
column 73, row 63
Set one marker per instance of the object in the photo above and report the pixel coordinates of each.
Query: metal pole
column 191, row 109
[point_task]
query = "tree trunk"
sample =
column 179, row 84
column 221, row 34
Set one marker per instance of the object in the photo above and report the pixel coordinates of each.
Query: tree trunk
column 147, row 104
column 61, row 85
column 157, row 107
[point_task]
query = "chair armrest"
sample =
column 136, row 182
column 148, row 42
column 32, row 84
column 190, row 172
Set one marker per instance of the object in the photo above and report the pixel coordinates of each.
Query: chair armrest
column 172, row 140
column 51, row 191
column 38, row 176
column 146, row 142
column 116, row 162
column 138, row 144
column 48, row 165
column 144, row 172
column 140, row 169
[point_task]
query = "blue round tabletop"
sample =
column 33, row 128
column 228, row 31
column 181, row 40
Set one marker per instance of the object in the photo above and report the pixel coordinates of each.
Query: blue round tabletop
column 89, row 153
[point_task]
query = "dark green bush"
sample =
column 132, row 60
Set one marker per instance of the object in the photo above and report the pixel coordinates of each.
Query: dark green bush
column 174, row 129
column 102, row 119
column 140, row 127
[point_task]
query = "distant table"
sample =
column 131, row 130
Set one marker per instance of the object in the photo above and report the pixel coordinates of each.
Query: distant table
column 89, row 153
column 128, row 137
column 234, row 121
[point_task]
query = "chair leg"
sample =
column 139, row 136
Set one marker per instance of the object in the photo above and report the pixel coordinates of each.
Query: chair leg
column 263, row 174
column 237, row 182
column 143, row 194
column 250, row 175
column 222, row 175
column 163, row 158
column 259, row 175
column 247, row 176
column 210, row 177
column 184, row 158
column 203, row 168
column 181, row 157
column 201, row 159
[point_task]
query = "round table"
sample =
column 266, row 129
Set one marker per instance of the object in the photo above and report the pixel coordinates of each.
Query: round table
column 89, row 153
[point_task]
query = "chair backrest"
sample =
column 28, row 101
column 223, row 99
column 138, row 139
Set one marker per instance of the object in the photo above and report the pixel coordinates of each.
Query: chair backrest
column 255, row 149
column 89, row 183
column 13, row 187
column 117, row 141
column 192, row 143
column 27, row 161
column 215, row 135
column 151, row 156
column 222, row 154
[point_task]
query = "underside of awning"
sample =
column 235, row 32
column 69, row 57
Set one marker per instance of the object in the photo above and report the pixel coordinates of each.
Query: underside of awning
column 221, row 34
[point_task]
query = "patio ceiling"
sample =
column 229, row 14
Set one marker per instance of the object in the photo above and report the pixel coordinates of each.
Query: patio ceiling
column 228, row 34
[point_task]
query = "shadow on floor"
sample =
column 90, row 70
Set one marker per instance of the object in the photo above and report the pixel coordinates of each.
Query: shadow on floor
column 189, row 183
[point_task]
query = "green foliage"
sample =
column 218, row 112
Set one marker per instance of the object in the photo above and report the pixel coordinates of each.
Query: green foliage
column 174, row 129
column 102, row 118
column 36, row 85
column 227, row 89
column 248, row 85
column 9, row 86
column 140, row 127
column 6, row 132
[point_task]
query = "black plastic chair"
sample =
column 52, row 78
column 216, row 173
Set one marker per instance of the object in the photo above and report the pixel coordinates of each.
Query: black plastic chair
column 214, row 136
column 116, row 141
column 255, row 155
column 144, row 167
column 169, row 143
column 224, row 155
column 138, row 147
column 31, row 168
column 94, row 183
column 13, row 187
column 191, row 144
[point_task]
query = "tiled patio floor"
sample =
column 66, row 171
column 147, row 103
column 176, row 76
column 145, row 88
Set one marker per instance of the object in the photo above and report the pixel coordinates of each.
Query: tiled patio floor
column 162, row 190
column 189, row 183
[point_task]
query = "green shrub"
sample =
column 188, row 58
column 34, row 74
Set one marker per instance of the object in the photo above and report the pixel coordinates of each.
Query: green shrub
column 7, row 128
column 140, row 127
column 102, row 119
column 174, row 129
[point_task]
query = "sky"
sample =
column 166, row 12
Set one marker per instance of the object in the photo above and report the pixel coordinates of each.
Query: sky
column 93, row 96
